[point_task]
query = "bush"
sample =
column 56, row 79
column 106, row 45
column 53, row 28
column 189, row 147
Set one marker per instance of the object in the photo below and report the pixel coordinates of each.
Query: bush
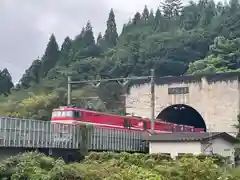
column 217, row 159
column 118, row 166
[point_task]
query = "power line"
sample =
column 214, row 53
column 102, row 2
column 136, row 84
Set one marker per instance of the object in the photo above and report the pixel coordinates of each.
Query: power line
column 98, row 81
column 125, row 81
column 107, row 80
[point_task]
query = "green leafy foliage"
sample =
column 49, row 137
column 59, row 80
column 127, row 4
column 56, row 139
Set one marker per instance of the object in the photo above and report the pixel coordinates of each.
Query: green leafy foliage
column 108, row 166
column 224, row 57
column 35, row 107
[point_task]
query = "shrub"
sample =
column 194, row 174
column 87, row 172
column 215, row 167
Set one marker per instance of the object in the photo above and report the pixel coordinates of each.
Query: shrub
column 118, row 166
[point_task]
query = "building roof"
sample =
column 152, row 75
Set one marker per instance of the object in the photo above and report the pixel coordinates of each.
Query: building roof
column 191, row 136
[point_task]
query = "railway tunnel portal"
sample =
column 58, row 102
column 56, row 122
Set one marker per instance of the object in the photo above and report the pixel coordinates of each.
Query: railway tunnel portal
column 209, row 101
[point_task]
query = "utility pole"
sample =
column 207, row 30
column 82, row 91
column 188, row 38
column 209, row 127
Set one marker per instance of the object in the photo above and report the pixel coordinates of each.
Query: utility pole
column 69, row 97
column 152, row 100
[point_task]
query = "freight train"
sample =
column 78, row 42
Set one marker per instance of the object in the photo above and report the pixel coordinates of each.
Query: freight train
column 72, row 115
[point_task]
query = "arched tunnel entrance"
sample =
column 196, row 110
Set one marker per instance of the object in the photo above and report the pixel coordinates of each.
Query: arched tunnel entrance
column 182, row 114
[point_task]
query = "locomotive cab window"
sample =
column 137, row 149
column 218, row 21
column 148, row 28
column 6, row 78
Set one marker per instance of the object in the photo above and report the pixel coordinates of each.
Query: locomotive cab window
column 62, row 114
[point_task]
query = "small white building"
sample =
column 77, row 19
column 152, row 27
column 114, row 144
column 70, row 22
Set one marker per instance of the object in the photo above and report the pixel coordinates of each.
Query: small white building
column 177, row 144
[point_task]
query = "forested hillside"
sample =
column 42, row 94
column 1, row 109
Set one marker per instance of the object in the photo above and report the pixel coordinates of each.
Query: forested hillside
column 202, row 37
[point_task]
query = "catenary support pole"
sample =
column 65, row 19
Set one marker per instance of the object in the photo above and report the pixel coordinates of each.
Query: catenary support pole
column 69, row 95
column 152, row 100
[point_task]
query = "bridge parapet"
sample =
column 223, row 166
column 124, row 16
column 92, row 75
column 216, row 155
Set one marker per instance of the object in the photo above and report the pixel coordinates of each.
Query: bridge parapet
column 27, row 133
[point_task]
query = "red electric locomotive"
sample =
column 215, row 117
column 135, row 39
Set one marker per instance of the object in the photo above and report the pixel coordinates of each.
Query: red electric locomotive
column 70, row 115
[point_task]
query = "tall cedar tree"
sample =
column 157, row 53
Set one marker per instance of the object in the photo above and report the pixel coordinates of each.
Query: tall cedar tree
column 207, row 13
column 172, row 8
column 158, row 17
column 31, row 75
column 190, row 16
column 66, row 46
column 51, row 56
column 234, row 6
column 111, row 35
column 78, row 42
column 145, row 14
column 136, row 18
column 35, row 70
column 25, row 80
column 99, row 38
column 88, row 37
column 151, row 17
column 6, row 83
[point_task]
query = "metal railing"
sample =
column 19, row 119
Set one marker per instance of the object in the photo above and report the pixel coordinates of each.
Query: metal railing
column 27, row 133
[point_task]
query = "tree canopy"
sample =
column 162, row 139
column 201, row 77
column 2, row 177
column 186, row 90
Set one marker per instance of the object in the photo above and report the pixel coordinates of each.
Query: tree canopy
column 174, row 39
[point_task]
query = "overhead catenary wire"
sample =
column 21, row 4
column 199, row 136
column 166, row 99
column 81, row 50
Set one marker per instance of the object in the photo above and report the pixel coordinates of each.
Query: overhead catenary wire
column 70, row 83
column 152, row 91
column 107, row 80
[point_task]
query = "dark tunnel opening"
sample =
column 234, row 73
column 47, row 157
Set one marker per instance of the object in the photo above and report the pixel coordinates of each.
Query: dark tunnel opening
column 182, row 114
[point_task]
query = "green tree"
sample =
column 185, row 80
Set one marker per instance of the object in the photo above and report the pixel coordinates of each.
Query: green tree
column 65, row 49
column 190, row 16
column 88, row 37
column 172, row 8
column 136, row 18
column 51, row 56
column 159, row 21
column 171, row 12
column 6, row 83
column 224, row 56
column 111, row 35
column 25, row 81
column 32, row 74
column 158, row 17
column 151, row 17
column 208, row 11
column 78, row 41
column 145, row 14
column 99, row 39
column 35, row 70
column 234, row 6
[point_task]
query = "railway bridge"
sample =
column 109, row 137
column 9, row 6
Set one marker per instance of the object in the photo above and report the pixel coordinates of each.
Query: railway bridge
column 205, row 101
column 61, row 140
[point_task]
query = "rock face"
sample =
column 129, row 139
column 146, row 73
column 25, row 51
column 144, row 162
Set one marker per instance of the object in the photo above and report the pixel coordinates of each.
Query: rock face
column 215, row 97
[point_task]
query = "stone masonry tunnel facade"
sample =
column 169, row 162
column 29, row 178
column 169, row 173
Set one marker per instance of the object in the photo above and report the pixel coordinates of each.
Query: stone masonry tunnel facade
column 212, row 99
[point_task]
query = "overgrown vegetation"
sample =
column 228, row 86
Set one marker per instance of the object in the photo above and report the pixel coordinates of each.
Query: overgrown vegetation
column 108, row 166
column 201, row 37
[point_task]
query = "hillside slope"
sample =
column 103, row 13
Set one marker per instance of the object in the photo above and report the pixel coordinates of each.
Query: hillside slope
column 198, row 38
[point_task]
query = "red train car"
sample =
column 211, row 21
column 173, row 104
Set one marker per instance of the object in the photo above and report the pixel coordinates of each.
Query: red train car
column 69, row 115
